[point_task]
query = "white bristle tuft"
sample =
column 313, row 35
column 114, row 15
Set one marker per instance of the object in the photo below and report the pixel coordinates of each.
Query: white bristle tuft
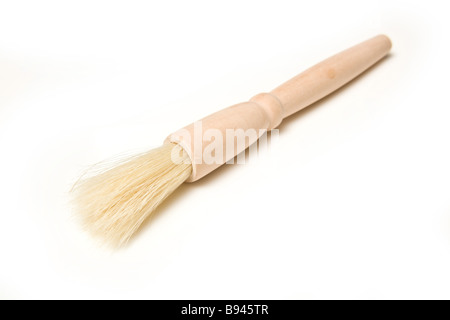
column 115, row 202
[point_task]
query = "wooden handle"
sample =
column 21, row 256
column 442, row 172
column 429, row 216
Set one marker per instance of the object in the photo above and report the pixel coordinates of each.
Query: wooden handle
column 265, row 111
column 329, row 75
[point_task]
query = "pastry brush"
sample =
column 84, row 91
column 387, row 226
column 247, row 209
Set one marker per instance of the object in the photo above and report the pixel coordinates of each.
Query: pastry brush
column 116, row 201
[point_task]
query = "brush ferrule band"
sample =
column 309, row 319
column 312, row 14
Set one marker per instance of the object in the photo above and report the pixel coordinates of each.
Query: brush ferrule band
column 221, row 136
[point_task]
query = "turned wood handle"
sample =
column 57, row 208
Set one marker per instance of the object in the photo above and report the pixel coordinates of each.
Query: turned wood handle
column 265, row 111
column 330, row 74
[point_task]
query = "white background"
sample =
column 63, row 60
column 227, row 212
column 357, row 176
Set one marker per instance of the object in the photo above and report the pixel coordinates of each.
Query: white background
column 351, row 202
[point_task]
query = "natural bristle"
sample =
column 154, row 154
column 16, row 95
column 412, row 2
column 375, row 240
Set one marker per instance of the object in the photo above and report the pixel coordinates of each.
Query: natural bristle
column 115, row 202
